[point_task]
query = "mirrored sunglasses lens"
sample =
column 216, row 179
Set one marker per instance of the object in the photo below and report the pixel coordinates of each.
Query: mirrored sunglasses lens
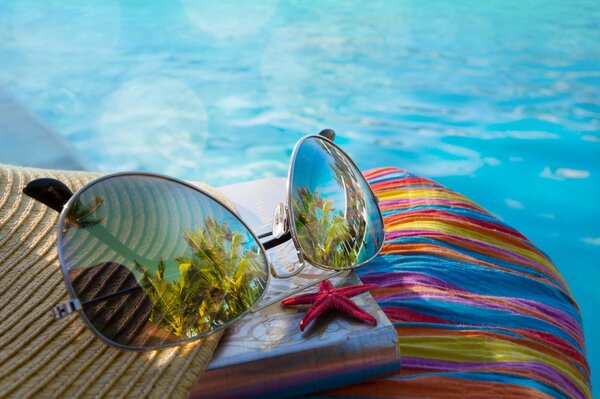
column 334, row 215
column 155, row 262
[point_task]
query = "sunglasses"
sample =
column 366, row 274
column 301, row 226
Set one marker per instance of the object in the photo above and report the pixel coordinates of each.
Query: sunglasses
column 150, row 261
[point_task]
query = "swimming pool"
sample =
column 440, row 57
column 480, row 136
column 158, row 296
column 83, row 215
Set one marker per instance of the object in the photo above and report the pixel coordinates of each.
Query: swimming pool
column 499, row 100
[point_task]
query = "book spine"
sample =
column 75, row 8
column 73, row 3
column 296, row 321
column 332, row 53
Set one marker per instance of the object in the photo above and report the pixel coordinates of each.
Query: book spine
column 359, row 358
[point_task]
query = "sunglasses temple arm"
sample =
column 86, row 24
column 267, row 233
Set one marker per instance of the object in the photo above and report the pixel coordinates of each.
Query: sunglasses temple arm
column 50, row 192
column 114, row 294
column 62, row 310
column 272, row 243
column 102, row 234
column 262, row 306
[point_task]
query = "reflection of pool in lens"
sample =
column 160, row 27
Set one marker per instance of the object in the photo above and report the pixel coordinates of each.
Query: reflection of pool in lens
column 336, row 220
column 156, row 262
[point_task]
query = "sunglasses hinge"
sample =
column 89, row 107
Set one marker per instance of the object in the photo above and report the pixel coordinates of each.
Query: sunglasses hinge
column 65, row 309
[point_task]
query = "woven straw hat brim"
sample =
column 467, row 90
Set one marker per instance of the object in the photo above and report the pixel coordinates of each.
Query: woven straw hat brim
column 41, row 357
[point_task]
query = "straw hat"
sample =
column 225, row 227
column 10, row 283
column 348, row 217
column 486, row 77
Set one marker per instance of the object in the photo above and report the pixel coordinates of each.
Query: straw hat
column 40, row 357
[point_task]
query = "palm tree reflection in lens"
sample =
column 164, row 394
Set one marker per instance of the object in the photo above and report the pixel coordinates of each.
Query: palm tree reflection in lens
column 323, row 232
column 219, row 279
column 83, row 215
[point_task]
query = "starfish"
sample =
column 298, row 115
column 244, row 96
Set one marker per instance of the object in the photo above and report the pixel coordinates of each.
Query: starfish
column 329, row 297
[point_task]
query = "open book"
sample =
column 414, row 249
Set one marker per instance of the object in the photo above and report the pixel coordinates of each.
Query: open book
column 266, row 354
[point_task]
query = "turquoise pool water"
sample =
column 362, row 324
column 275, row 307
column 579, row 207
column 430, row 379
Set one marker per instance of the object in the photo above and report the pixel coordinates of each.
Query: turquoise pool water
column 500, row 100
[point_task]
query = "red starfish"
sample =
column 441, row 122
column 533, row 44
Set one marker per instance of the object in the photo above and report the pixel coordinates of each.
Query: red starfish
column 330, row 297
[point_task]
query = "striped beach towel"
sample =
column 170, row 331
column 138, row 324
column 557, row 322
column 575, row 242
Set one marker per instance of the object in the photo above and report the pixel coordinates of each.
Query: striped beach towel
column 479, row 310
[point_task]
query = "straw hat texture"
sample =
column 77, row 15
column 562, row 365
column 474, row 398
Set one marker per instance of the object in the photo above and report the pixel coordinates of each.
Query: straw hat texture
column 41, row 357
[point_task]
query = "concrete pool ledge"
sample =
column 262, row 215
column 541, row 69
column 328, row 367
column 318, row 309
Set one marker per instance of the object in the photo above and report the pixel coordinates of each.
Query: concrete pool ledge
column 28, row 141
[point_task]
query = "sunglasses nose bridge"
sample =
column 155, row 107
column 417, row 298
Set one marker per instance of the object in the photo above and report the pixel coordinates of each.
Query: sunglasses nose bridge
column 298, row 269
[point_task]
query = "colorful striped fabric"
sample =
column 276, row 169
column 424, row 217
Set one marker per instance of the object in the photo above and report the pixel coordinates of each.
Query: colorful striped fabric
column 479, row 310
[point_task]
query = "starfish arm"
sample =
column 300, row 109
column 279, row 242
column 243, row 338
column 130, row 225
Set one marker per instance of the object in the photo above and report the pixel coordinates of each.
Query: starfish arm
column 355, row 290
column 319, row 307
column 305, row 299
column 346, row 305
column 329, row 297
column 325, row 285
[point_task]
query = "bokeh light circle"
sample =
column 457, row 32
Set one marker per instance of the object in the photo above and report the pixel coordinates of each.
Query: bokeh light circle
column 227, row 17
column 153, row 124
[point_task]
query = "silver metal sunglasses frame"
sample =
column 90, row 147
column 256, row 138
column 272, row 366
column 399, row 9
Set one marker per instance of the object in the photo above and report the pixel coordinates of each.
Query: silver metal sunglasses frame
column 283, row 215
column 75, row 304
column 290, row 194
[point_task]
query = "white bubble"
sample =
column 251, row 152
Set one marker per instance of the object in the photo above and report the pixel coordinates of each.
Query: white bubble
column 153, row 124
column 564, row 173
column 568, row 173
column 492, row 161
column 227, row 17
column 64, row 28
column 589, row 137
column 513, row 203
column 591, row 240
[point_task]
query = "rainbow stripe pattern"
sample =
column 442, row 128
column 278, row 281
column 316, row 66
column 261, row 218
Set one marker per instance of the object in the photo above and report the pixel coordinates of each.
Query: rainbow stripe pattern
column 479, row 310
